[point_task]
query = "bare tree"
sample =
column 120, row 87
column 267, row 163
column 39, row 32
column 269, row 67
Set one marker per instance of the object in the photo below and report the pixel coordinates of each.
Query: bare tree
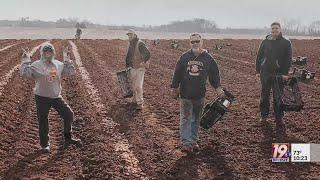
column 293, row 27
column 314, row 28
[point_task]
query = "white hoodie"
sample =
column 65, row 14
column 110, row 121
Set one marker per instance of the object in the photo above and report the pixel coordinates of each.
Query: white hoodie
column 47, row 74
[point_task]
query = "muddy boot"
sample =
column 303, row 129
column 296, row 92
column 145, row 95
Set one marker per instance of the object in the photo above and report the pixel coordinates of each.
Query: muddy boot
column 187, row 149
column 139, row 107
column 263, row 119
column 132, row 101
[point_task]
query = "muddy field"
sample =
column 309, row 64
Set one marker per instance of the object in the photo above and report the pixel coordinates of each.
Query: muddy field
column 121, row 143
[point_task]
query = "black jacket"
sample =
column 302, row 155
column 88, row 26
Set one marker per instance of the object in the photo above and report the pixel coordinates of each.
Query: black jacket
column 274, row 56
column 191, row 75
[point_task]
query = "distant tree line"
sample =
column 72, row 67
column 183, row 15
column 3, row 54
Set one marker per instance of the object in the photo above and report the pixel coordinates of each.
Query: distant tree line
column 295, row 27
column 60, row 23
column 194, row 25
column 290, row 26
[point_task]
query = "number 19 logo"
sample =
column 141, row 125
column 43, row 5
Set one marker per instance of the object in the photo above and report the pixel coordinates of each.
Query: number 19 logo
column 280, row 152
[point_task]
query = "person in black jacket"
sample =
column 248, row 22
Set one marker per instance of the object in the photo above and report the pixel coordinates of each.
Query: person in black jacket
column 272, row 65
column 190, row 76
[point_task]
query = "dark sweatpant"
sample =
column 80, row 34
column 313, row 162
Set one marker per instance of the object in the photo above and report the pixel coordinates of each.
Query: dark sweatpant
column 269, row 82
column 43, row 106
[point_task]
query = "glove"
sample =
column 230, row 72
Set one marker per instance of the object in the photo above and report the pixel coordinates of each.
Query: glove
column 26, row 55
column 175, row 93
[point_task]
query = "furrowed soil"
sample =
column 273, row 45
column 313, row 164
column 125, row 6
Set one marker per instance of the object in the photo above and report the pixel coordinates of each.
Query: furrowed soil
column 120, row 142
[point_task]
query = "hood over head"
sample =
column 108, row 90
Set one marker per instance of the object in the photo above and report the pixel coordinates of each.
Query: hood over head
column 47, row 47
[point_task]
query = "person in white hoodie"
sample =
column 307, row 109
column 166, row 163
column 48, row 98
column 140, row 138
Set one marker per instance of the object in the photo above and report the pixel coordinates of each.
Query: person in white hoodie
column 47, row 74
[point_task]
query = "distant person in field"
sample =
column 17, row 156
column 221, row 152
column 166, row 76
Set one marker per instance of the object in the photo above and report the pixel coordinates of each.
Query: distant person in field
column 78, row 33
column 47, row 74
column 273, row 60
column 138, row 58
column 189, row 83
column 174, row 44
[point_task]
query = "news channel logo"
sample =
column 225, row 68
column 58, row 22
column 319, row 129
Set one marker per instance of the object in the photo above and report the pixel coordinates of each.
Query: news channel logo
column 281, row 152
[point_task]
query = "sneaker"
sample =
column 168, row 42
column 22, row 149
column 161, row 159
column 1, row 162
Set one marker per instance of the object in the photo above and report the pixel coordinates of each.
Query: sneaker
column 196, row 147
column 73, row 141
column 187, row 149
column 45, row 149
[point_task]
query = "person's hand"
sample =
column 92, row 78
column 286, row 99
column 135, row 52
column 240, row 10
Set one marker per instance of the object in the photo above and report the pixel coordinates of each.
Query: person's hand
column 26, row 53
column 291, row 71
column 145, row 64
column 220, row 92
column 175, row 93
column 285, row 77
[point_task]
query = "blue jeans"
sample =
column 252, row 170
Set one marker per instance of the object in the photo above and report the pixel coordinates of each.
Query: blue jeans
column 190, row 113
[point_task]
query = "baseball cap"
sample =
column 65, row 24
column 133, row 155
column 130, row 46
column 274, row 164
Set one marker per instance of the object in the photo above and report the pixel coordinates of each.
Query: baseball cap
column 131, row 31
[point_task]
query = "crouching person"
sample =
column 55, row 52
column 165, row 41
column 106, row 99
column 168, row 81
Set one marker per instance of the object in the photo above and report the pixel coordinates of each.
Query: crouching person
column 47, row 74
column 190, row 76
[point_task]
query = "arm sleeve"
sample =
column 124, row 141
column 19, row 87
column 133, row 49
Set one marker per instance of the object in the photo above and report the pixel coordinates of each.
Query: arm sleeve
column 129, row 56
column 144, row 51
column 287, row 59
column 68, row 69
column 259, row 57
column 178, row 74
column 214, row 74
column 128, row 64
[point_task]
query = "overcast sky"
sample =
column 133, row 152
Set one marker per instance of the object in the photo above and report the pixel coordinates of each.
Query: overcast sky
column 226, row 13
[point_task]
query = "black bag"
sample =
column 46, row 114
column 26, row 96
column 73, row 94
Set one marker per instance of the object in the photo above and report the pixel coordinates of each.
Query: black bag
column 125, row 84
column 291, row 99
column 214, row 111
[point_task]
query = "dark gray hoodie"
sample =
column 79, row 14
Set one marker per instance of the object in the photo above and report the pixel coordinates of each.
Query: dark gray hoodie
column 274, row 56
